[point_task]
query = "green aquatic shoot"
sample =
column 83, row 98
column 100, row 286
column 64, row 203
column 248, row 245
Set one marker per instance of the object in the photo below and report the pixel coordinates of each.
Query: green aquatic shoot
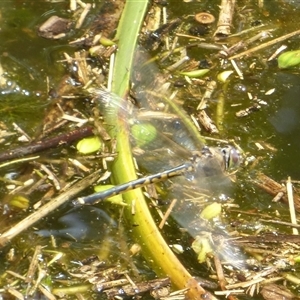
column 89, row 145
column 196, row 73
column 289, row 59
column 223, row 76
column 202, row 248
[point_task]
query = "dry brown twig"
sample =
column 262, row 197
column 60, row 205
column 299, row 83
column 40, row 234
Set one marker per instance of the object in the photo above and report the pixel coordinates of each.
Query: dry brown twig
column 289, row 189
column 225, row 18
column 267, row 44
column 274, row 188
column 47, row 208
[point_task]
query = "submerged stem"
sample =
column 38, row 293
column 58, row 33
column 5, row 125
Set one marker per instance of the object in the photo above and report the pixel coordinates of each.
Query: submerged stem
column 143, row 226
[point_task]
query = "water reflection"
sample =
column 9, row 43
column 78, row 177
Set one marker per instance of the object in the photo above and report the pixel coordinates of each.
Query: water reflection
column 286, row 122
column 287, row 119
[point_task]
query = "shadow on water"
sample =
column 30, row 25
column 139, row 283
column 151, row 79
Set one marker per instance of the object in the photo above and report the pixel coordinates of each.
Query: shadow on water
column 85, row 224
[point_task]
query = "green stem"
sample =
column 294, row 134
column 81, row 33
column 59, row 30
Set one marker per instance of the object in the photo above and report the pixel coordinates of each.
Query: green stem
column 153, row 245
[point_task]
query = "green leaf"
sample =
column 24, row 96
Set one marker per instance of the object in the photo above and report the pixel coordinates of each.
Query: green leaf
column 106, row 42
column 196, row 73
column 289, row 59
column 223, row 76
column 143, row 133
column 118, row 199
column 89, row 145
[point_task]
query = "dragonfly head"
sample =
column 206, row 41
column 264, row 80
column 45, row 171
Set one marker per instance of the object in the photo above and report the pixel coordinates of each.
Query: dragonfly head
column 216, row 159
column 231, row 156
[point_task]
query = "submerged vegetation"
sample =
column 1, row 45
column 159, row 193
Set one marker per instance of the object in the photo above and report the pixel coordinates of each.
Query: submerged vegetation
column 160, row 165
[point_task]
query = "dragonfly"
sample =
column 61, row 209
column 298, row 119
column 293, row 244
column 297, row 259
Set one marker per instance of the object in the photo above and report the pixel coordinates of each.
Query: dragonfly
column 208, row 159
column 207, row 155
column 205, row 169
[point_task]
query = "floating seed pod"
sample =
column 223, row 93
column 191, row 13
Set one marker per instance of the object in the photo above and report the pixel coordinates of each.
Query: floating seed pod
column 211, row 211
column 289, row 59
column 89, row 145
column 204, row 18
column 143, row 133
column 19, row 202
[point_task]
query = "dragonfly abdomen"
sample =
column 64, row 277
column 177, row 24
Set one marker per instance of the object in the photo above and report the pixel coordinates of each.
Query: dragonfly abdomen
column 134, row 184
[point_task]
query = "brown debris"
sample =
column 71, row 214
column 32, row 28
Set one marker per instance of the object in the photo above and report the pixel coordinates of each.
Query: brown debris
column 274, row 188
column 156, row 286
column 107, row 19
column 114, row 282
column 276, row 292
column 207, row 122
column 249, row 110
column 54, row 28
column 269, row 238
column 204, row 18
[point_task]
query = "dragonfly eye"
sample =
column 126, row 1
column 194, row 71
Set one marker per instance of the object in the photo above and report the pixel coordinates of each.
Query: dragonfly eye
column 231, row 157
